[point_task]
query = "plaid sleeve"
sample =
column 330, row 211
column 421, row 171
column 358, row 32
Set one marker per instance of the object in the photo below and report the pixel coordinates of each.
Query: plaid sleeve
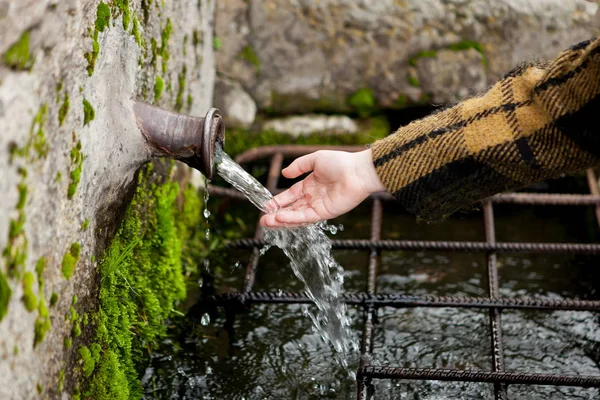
column 540, row 121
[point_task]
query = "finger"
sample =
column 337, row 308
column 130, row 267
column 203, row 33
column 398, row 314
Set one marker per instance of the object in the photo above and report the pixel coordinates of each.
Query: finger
column 287, row 197
column 297, row 217
column 300, row 166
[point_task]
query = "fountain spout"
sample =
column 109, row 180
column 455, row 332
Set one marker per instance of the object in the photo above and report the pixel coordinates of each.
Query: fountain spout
column 191, row 140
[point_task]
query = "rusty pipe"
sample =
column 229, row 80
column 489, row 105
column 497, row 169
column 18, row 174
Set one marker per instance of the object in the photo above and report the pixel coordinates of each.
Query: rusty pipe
column 191, row 140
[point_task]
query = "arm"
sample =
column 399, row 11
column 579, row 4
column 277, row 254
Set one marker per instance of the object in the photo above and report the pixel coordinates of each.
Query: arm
column 540, row 121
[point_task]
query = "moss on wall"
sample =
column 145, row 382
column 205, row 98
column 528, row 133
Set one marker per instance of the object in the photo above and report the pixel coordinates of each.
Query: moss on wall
column 141, row 282
column 249, row 55
column 363, row 102
column 18, row 56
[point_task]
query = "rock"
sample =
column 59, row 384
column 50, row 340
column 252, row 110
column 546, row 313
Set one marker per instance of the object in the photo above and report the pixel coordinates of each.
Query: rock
column 69, row 152
column 305, row 56
column 307, row 124
column 238, row 108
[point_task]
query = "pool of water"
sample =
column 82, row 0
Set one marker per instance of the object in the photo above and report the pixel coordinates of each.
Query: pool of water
column 272, row 352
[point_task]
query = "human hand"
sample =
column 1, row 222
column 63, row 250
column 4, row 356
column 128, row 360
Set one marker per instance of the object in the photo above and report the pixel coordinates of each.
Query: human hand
column 339, row 182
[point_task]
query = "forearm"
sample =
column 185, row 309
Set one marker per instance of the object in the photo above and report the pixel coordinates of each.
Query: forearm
column 539, row 121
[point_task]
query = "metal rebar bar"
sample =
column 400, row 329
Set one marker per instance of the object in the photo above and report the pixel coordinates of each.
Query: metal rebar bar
column 527, row 378
column 594, row 190
column 499, row 247
column 500, row 392
column 550, row 199
column 272, row 179
column 401, row 300
column 364, row 386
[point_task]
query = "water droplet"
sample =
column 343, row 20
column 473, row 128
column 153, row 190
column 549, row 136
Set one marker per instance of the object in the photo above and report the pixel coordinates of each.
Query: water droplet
column 205, row 320
column 207, row 233
column 237, row 264
column 265, row 248
column 208, row 370
column 180, row 371
column 279, row 293
column 206, row 264
column 200, row 282
column 333, row 229
column 206, row 213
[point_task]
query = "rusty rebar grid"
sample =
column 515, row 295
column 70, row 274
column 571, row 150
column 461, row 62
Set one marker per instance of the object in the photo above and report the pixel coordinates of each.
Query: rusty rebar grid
column 370, row 301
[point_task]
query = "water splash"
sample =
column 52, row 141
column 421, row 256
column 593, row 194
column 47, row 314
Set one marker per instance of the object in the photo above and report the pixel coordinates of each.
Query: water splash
column 206, row 212
column 205, row 320
column 309, row 250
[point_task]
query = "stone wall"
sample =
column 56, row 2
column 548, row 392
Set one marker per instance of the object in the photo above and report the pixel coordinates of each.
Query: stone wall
column 69, row 152
column 296, row 56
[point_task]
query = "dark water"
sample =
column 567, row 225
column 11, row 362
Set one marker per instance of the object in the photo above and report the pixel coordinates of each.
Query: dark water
column 275, row 353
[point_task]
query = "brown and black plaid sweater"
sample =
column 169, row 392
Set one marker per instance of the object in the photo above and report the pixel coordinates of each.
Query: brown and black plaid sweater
column 540, row 121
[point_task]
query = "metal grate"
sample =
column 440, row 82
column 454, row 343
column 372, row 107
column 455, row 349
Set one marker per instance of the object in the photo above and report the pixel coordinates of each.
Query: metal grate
column 370, row 301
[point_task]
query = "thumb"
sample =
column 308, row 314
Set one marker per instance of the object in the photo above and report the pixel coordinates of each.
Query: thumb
column 300, row 166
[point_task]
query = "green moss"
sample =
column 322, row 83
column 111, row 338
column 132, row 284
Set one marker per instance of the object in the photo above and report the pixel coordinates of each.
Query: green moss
column 61, row 380
column 102, row 22
column 63, row 110
column 70, row 259
column 180, row 89
column 15, row 252
column 196, row 38
column 53, row 299
column 470, row 44
column 217, row 44
column 159, row 86
column 401, row 101
column 58, row 177
column 88, row 112
column 249, row 55
column 123, row 6
column 29, row 298
column 40, row 265
column 413, row 80
column 87, row 361
column 85, row 224
column 18, row 56
column 37, row 135
column 423, row 54
column 5, row 294
column 68, row 265
column 102, row 16
column 77, row 158
column 136, row 32
column 164, row 44
column 39, row 388
column 67, row 343
column 42, row 323
column 141, row 281
column 363, row 102
column 76, row 330
column 15, row 350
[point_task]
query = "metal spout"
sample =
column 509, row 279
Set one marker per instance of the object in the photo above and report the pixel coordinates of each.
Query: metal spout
column 191, row 140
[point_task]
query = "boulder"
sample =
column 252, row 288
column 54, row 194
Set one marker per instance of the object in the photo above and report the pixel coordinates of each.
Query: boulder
column 300, row 56
column 307, row 124
column 238, row 108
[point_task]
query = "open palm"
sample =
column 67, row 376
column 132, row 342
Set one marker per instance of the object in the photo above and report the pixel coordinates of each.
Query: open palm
column 339, row 182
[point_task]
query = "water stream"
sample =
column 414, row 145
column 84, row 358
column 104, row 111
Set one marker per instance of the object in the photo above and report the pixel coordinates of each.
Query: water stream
column 309, row 251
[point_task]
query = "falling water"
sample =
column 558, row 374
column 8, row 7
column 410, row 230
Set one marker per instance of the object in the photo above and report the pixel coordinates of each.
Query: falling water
column 309, row 250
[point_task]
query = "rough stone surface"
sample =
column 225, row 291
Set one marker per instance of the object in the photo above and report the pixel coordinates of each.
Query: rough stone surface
column 307, row 124
column 306, row 55
column 112, row 146
column 238, row 108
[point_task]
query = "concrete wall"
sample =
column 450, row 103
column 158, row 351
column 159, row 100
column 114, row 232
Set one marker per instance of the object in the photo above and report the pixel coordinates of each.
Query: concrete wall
column 69, row 151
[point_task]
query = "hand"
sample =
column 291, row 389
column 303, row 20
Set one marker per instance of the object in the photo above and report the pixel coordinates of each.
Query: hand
column 339, row 182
